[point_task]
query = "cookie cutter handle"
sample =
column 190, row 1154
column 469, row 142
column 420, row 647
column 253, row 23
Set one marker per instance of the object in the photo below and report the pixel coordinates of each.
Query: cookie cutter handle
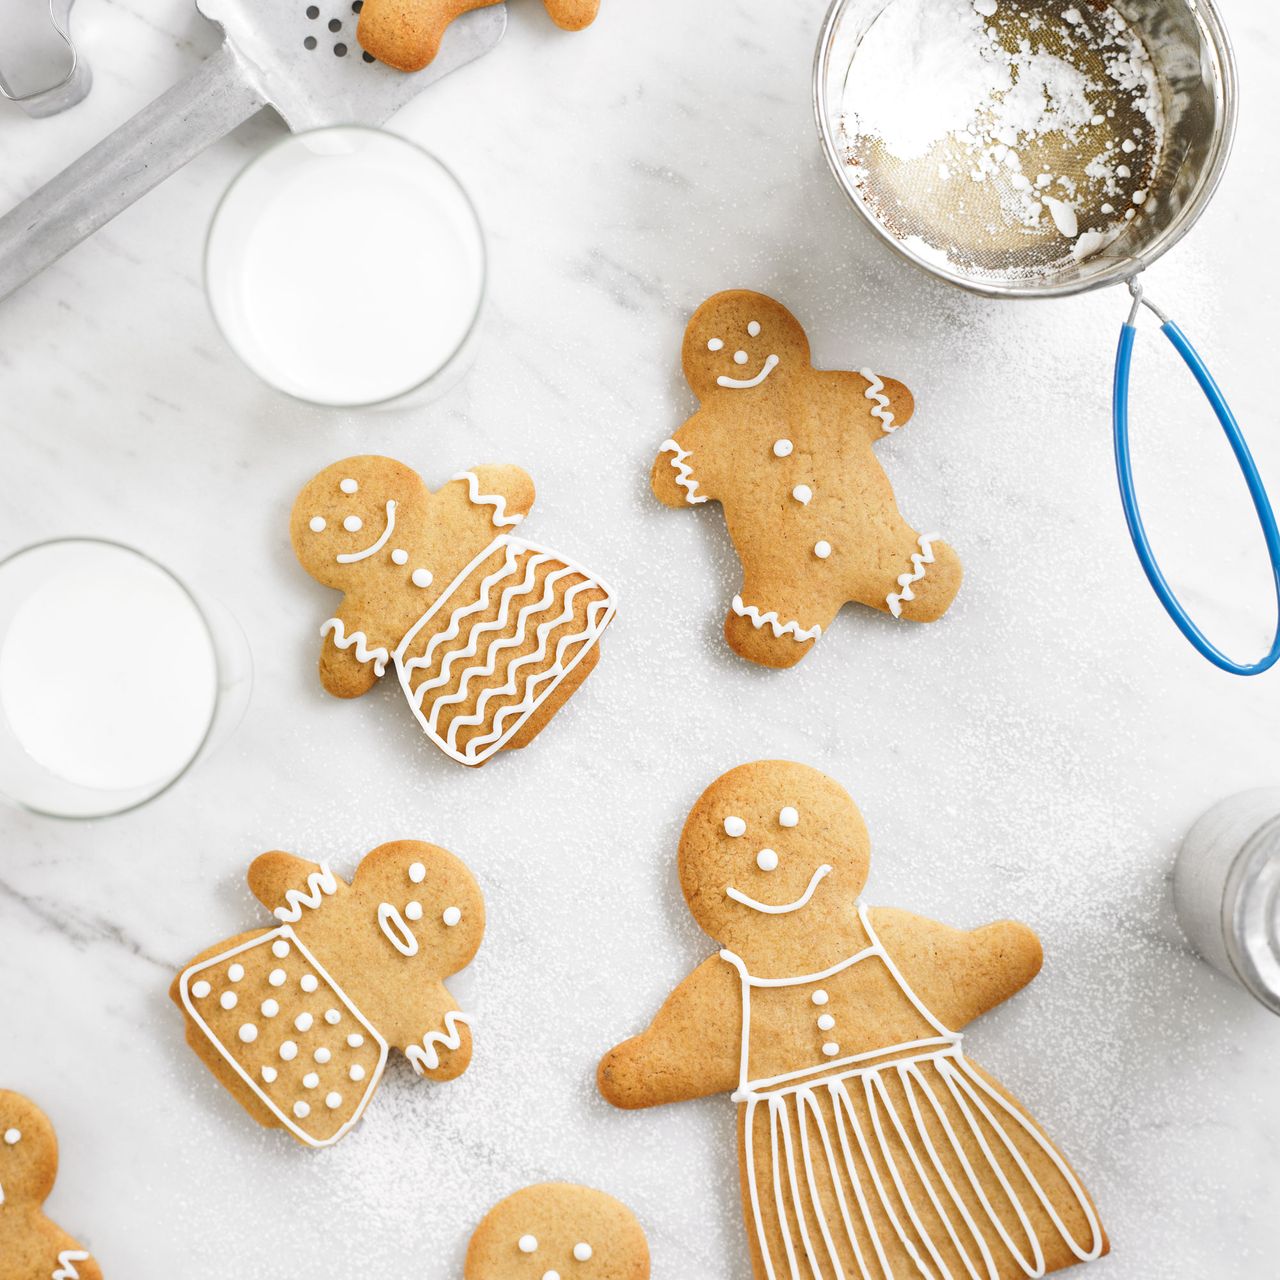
column 1129, row 498
column 125, row 165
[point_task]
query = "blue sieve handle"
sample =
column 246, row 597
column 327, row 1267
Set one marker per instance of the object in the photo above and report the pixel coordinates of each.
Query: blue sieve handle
column 1129, row 498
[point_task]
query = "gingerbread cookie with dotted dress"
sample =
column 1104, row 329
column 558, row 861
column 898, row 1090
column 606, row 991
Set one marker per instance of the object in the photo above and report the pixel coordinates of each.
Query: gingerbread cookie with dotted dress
column 870, row 1143
column 489, row 634
column 31, row 1246
column 297, row 1021
column 787, row 451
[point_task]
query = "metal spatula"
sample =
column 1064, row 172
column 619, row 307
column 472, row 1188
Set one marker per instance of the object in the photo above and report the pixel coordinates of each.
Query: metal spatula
column 298, row 56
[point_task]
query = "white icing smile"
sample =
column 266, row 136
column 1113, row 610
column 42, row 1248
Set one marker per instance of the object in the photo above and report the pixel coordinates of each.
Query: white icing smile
column 351, row 557
column 802, row 901
column 770, row 364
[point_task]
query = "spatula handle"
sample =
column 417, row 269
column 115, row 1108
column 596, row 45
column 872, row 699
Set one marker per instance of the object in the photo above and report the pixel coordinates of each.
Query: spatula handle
column 124, row 166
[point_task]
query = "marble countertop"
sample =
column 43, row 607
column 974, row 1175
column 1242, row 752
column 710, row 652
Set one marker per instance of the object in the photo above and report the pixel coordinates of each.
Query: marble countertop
column 1038, row 754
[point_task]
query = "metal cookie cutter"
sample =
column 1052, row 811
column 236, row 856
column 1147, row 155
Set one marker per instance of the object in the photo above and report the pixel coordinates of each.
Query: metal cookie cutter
column 67, row 91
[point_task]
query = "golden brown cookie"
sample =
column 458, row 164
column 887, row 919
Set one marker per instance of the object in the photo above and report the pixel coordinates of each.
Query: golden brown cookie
column 558, row 1231
column 488, row 634
column 297, row 1021
column 31, row 1246
column 869, row 1142
column 787, row 451
column 406, row 34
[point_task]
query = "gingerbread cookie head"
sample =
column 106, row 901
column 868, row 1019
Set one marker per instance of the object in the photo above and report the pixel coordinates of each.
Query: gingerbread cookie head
column 739, row 340
column 558, row 1231
column 771, row 854
column 28, row 1151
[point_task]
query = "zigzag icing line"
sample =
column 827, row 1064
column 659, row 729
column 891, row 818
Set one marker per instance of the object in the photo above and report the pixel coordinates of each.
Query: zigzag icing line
column 774, row 623
column 508, row 642
column 918, row 561
column 319, row 884
column 67, row 1260
column 590, row 635
column 455, row 626
column 426, row 1056
column 684, row 472
column 494, row 500
column 379, row 656
column 498, row 624
column 876, row 392
column 543, row 634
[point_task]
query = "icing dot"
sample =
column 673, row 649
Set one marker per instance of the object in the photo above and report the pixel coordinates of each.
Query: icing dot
column 333, row 1017
column 529, row 1244
column 270, row 1008
column 826, row 1022
column 753, row 328
column 399, row 556
column 421, row 577
column 236, row 972
column 353, row 524
column 288, row 1051
column 715, row 344
column 303, row 1021
column 739, row 357
column 822, row 549
column 276, row 977
column 12, row 1137
column 356, row 1072
column 228, row 1000
column 550, row 1275
column 317, row 524
column 788, row 817
column 414, row 911
column 820, row 997
column 767, row 860
column 269, row 1074
column 417, row 873
column 451, row 916
column 301, row 1110
column 348, row 486
column 309, row 982
column 248, row 1033
column 322, row 1055
column 333, row 1101
column 782, row 448
column 355, row 1039
column 734, row 827
column 279, row 948
column 831, row 1048
column 310, row 1080
column 582, row 1251
column 200, row 989
column 802, row 494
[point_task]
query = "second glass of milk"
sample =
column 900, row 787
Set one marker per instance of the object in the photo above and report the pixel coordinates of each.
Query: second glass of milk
column 346, row 267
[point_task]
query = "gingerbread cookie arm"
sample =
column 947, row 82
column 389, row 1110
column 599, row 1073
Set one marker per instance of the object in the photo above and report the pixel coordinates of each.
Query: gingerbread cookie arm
column 354, row 655
column 871, row 404
column 435, row 1036
column 287, row 885
column 499, row 497
column 691, row 1049
column 681, row 473
column 995, row 962
column 573, row 15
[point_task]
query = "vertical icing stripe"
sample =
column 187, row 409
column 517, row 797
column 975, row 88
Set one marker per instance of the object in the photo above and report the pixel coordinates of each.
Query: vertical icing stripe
column 67, row 1260
column 495, row 500
column 881, row 410
column 918, row 561
column 426, row 1057
column 320, row 884
column 379, row 656
column 684, row 472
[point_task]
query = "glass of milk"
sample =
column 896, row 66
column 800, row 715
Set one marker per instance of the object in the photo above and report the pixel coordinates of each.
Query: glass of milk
column 113, row 678
column 346, row 267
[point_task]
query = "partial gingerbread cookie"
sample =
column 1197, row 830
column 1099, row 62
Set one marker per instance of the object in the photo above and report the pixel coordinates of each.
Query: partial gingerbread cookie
column 406, row 34
column 869, row 1142
column 787, row 451
column 489, row 634
column 297, row 1021
column 558, row 1231
column 31, row 1246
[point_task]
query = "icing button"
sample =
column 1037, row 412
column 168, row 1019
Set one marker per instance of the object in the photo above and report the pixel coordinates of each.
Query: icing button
column 734, row 826
column 582, row 1251
column 399, row 556
column 527, row 1244
column 421, row 577
column 830, row 1049
column 822, row 549
column 788, row 817
column 802, row 494
column 820, row 997
column 782, row 448
column 826, row 1022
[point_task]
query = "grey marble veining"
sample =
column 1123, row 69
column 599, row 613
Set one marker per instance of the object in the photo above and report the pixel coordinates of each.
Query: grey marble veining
column 1038, row 754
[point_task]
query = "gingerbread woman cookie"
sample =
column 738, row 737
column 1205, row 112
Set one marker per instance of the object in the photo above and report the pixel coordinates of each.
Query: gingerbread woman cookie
column 297, row 1021
column 31, row 1246
column 869, row 1142
column 787, row 451
column 558, row 1231
column 489, row 634
column 406, row 34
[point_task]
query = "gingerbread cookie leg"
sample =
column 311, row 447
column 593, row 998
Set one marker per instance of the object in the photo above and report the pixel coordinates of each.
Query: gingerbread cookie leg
column 918, row 577
column 573, row 15
column 771, row 624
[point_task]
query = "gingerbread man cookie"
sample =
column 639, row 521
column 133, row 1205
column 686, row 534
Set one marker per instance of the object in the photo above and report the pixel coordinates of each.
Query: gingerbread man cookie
column 31, row 1246
column 869, row 1142
column 558, row 1231
column 406, row 34
column 489, row 634
column 297, row 1021
column 787, row 451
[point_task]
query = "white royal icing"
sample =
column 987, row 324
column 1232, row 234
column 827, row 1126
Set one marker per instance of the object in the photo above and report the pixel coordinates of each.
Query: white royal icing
column 348, row 485
column 822, row 549
column 353, row 524
column 753, row 328
column 788, row 816
column 12, row 1137
column 582, row 1251
column 320, row 884
column 802, row 901
column 771, row 363
column 426, row 1057
column 782, row 448
column 393, row 926
column 767, row 860
column 684, row 472
column 802, row 494
column 451, row 916
column 918, row 561
column 734, row 826
column 875, row 391
column 494, row 500
column 740, row 357
column 715, row 344
column 399, row 556
column 351, row 557
column 421, row 577
column 317, row 524
column 379, row 656
column 67, row 1260
column 528, row 1243
column 772, row 621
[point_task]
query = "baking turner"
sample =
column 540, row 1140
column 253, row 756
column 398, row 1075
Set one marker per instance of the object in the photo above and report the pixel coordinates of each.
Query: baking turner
column 298, row 56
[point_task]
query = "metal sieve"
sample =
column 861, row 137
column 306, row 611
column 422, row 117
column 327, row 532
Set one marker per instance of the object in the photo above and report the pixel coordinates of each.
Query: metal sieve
column 955, row 211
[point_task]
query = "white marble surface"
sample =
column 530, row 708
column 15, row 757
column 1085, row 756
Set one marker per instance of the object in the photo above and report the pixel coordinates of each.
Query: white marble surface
column 1037, row 754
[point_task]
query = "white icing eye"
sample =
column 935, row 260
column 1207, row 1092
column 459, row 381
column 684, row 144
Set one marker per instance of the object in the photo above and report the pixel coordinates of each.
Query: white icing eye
column 788, row 817
column 248, row 1033
column 227, row 1000
column 269, row 1008
column 767, row 860
column 582, row 1251
column 739, row 357
column 353, row 524
column 417, row 872
column 279, row 948
column 422, row 577
column 200, row 989
column 715, row 344
column 12, row 1137
column 348, row 485
column 451, row 916
column 734, row 827
column 753, row 328
column 399, row 556
column 782, row 448
column 527, row 1244
column 333, row 1101
column 414, row 911
column 802, row 494
column 317, row 524
column 822, row 549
